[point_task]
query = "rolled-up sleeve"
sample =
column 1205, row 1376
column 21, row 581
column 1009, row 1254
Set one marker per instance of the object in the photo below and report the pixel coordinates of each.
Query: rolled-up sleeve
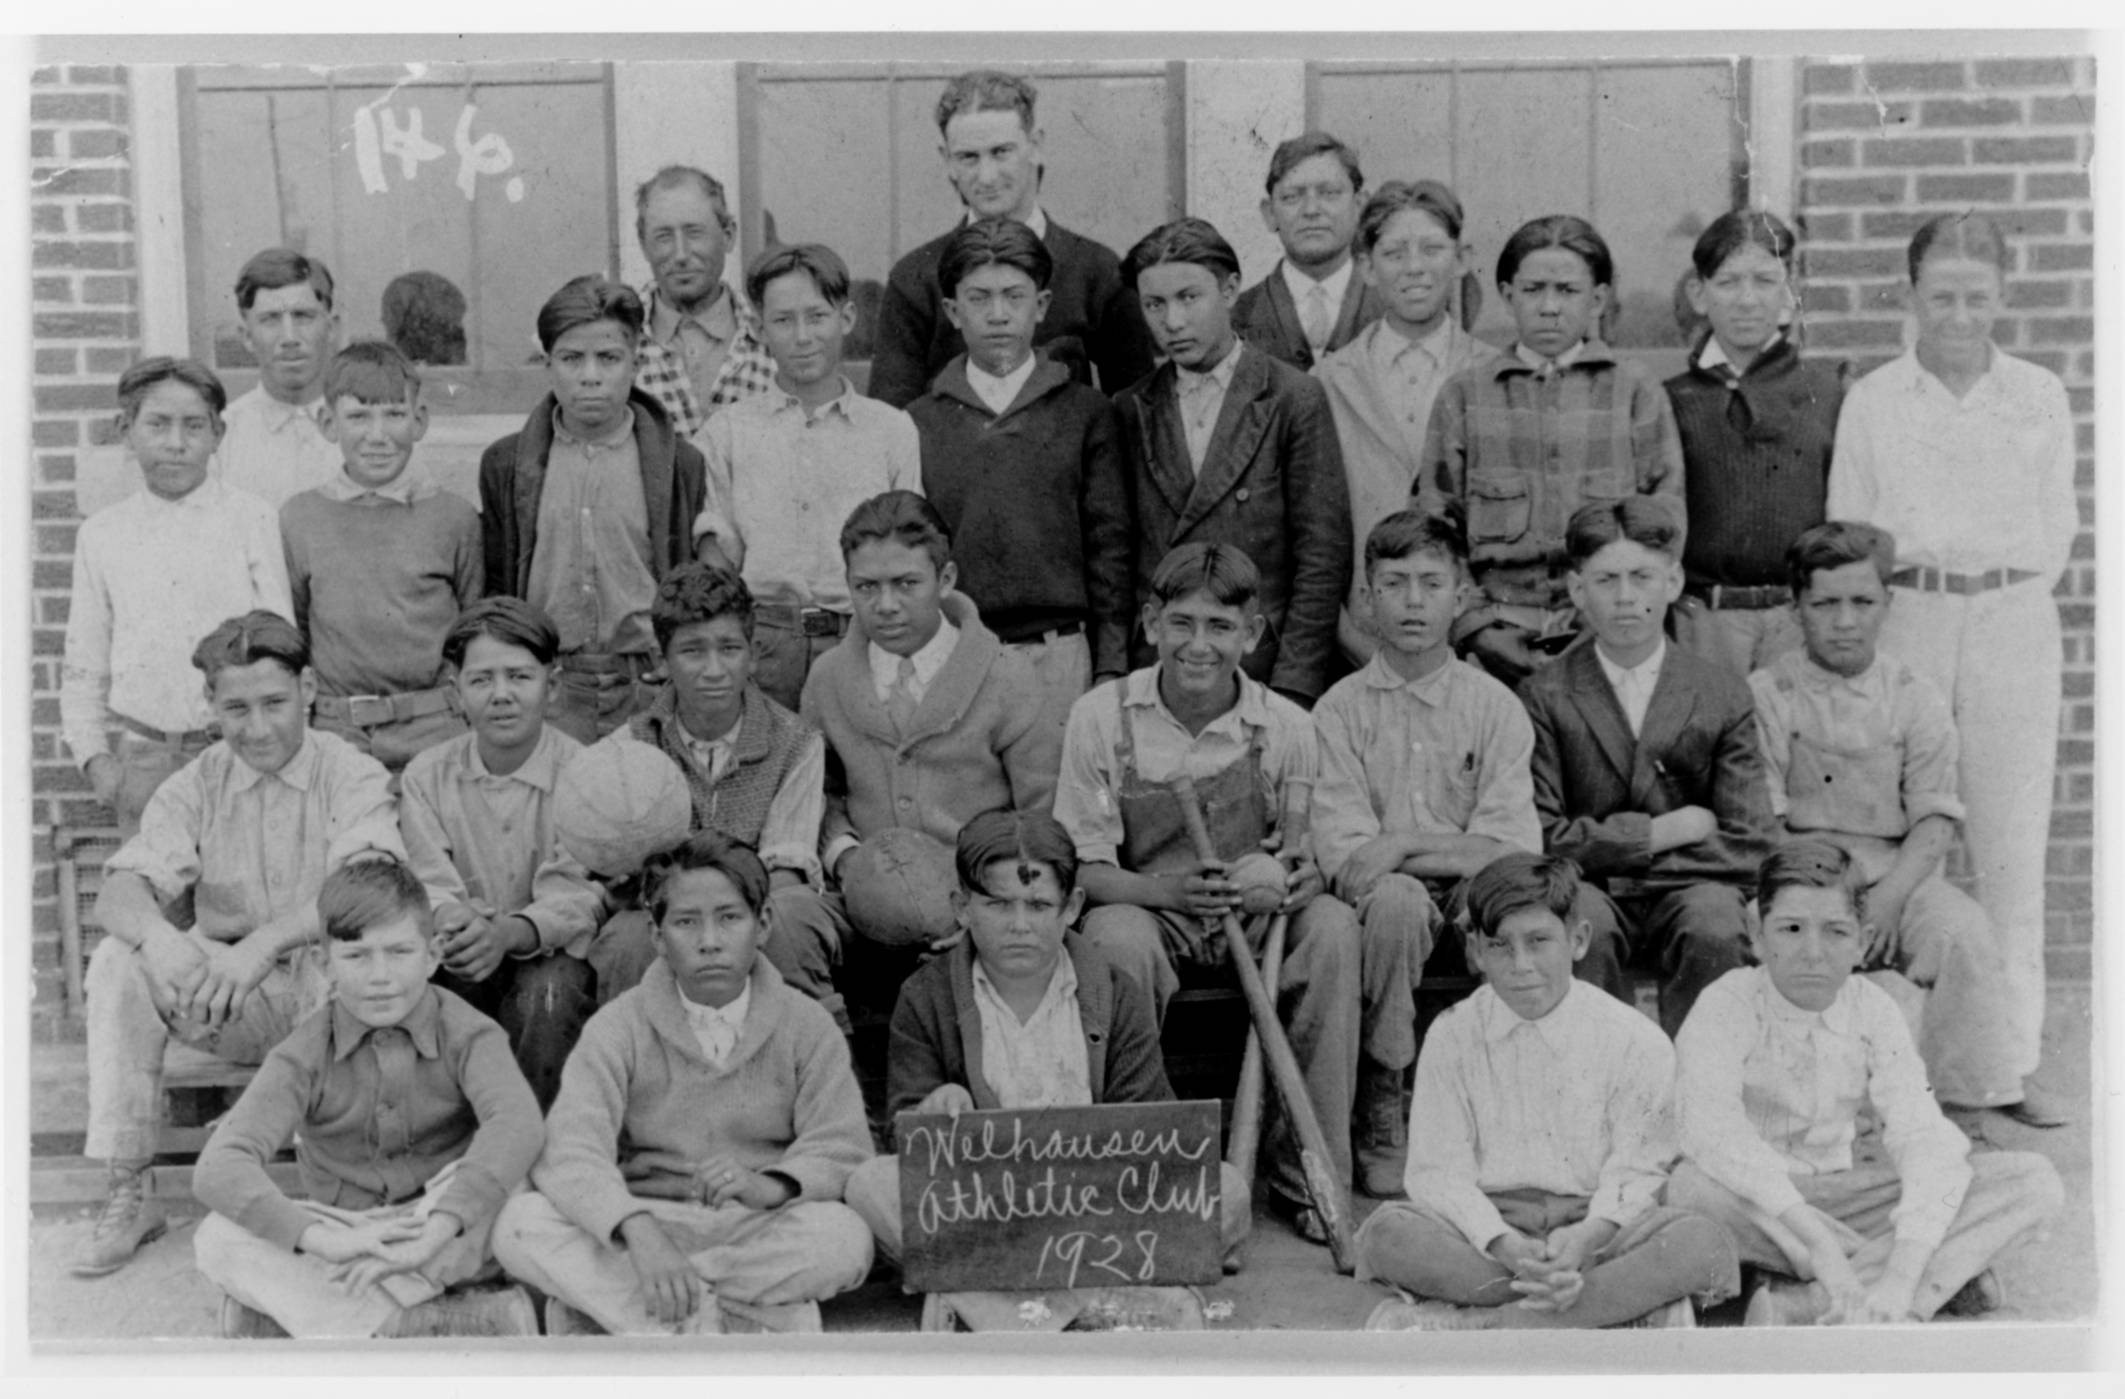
column 789, row 839
column 1086, row 800
column 1931, row 781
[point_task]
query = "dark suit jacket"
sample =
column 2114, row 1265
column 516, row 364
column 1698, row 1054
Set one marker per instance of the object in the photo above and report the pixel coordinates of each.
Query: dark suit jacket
column 1267, row 318
column 1092, row 320
column 1272, row 484
column 1597, row 788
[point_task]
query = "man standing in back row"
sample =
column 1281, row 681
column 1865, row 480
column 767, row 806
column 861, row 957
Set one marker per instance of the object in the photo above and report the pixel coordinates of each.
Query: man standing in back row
column 992, row 156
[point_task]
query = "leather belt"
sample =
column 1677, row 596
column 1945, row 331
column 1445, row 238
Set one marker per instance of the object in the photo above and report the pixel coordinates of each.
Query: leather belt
column 1937, row 580
column 1039, row 635
column 374, row 711
column 188, row 738
column 629, row 663
column 806, row 621
column 1755, row 599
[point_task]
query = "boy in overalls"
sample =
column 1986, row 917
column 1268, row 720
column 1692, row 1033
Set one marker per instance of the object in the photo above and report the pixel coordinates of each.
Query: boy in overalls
column 1154, row 904
column 1861, row 750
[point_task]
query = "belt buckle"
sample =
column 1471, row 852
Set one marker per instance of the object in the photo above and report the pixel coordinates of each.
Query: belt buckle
column 369, row 711
column 819, row 621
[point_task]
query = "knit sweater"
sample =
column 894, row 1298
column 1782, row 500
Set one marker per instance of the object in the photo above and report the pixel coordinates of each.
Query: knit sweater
column 936, row 1035
column 1756, row 454
column 769, row 740
column 377, row 583
column 1010, row 486
column 639, row 1101
column 974, row 743
column 1092, row 319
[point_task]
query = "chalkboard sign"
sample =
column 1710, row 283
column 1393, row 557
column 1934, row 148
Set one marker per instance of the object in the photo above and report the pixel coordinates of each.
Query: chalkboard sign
column 1122, row 1195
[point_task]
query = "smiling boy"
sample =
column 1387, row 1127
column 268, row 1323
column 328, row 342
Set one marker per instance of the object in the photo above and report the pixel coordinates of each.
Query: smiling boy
column 380, row 563
column 785, row 467
column 586, row 506
column 391, row 1062
column 248, row 831
column 1543, row 1125
column 1311, row 303
column 152, row 574
column 276, row 447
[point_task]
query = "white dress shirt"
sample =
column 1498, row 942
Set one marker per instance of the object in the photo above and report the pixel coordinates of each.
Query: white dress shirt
column 885, row 666
column 717, row 1028
column 1331, row 289
column 1579, row 1102
column 1634, row 687
column 1201, row 397
column 1000, row 391
column 274, row 450
column 1041, row 1061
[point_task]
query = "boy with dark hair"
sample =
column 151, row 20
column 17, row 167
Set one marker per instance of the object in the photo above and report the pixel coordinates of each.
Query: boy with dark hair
column 247, row 831
column 783, row 466
column 513, row 912
column 1646, row 765
column 152, row 574
column 1022, row 1013
column 1226, row 445
column 1860, row 750
column 1424, row 780
column 1155, row 902
column 1544, row 1125
column 380, row 563
column 992, row 157
column 415, row 1126
column 701, row 345
column 275, row 447
column 707, row 1123
column 1776, row 1063
column 1308, row 306
column 586, row 506
column 928, row 717
column 755, row 771
column 1014, row 453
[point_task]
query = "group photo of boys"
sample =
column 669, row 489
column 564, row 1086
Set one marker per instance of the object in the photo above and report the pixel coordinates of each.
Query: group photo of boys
column 604, row 671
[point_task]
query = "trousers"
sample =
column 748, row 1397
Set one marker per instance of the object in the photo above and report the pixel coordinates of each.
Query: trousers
column 803, row 1252
column 1062, row 668
column 542, row 1003
column 1694, row 935
column 1664, row 1254
column 1965, row 1032
column 129, row 1029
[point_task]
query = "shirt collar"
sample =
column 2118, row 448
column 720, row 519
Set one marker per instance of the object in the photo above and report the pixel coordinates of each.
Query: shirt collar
column 1500, row 1019
column 410, row 487
column 298, row 772
column 1842, row 1016
column 1003, row 387
column 1649, row 667
column 1221, row 372
column 540, row 770
column 1816, row 677
column 719, row 318
column 1062, row 984
column 276, row 416
column 623, row 430
column 885, row 666
column 1252, row 709
column 423, row 1025
column 838, row 404
column 1431, row 689
column 1336, row 283
column 1037, row 221
column 732, row 1015
column 1536, row 362
column 1714, row 355
column 1391, row 344
column 207, row 495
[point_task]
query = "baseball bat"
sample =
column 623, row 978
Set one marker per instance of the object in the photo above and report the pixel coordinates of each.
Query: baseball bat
column 1330, row 1199
column 1247, row 1101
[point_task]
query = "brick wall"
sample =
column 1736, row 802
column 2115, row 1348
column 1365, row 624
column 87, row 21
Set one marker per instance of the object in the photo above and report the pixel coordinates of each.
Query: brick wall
column 1887, row 145
column 85, row 328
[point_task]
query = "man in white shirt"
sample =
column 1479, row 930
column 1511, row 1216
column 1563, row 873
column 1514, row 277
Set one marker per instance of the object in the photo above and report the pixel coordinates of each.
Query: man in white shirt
column 152, row 575
column 276, row 446
column 1311, row 304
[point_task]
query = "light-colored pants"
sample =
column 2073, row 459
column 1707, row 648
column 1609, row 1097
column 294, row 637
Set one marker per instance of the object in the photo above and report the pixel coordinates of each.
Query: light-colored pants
column 1062, row 667
column 803, row 1252
column 296, row 1289
column 1741, row 639
column 2011, row 1193
column 874, row 1194
column 588, row 706
column 144, row 765
column 129, row 1028
column 1966, row 1031
column 1997, row 656
column 783, row 657
column 1662, row 1255
column 398, row 743
column 1336, row 996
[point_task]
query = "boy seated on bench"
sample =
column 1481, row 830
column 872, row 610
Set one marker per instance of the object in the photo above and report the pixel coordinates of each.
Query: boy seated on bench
column 1022, row 1012
column 415, row 1123
column 1547, row 1117
column 1156, row 903
column 245, row 833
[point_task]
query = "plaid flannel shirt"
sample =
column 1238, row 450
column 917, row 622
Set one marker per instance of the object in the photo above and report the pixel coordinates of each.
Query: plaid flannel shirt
column 660, row 371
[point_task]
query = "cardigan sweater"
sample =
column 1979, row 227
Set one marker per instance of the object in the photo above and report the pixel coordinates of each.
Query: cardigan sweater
column 1756, row 455
column 770, row 738
column 974, row 743
column 513, row 476
column 1092, row 320
column 639, row 1101
column 1008, row 486
column 936, row 1035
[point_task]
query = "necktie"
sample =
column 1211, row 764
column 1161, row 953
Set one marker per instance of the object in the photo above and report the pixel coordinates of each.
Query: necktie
column 1315, row 319
column 900, row 701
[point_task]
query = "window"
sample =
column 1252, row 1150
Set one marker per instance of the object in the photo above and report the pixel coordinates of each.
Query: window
column 495, row 178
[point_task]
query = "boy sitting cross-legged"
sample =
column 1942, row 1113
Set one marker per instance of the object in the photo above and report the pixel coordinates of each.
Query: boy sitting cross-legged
column 706, row 1125
column 1861, row 750
column 514, row 912
column 414, row 1126
column 1022, row 1013
column 1646, row 766
column 1775, row 1063
column 1546, row 1111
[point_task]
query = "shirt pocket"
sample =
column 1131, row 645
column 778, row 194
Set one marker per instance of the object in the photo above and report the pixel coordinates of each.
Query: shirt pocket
column 1500, row 507
column 1457, row 790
